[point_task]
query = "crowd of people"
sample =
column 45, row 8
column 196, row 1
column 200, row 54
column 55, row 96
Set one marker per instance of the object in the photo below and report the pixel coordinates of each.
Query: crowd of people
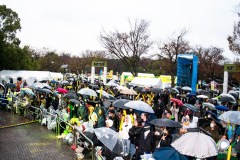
column 87, row 112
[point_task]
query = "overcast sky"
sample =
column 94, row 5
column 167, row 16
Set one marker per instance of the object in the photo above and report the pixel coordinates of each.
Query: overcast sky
column 74, row 26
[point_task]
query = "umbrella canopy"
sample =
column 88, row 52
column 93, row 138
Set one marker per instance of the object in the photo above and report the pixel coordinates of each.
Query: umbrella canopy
column 87, row 92
column 174, row 90
column 111, row 97
column 43, row 90
column 165, row 123
column 186, row 88
column 140, row 106
column 27, row 90
column 111, row 140
column 231, row 116
column 93, row 86
column 191, row 107
column 62, row 90
column 74, row 101
column 179, row 102
column 129, row 92
column 196, row 144
column 209, row 105
column 156, row 90
column 227, row 98
column 201, row 91
column 120, row 103
column 36, row 85
column 222, row 108
column 70, row 96
column 168, row 153
column 104, row 93
column 202, row 96
column 121, row 88
column 233, row 93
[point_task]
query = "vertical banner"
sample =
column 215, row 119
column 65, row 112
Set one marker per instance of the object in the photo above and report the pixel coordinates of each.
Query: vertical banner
column 212, row 85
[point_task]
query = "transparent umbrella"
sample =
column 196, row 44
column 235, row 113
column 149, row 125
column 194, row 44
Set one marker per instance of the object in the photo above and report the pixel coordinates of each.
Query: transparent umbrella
column 111, row 140
column 87, row 91
column 140, row 106
column 231, row 116
column 196, row 144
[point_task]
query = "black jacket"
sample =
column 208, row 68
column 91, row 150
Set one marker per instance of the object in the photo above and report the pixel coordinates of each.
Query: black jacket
column 134, row 135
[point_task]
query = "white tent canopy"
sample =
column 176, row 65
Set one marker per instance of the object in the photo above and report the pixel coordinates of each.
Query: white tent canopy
column 147, row 82
column 29, row 76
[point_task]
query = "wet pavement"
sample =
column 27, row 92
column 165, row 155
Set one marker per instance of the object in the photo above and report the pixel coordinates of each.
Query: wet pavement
column 30, row 141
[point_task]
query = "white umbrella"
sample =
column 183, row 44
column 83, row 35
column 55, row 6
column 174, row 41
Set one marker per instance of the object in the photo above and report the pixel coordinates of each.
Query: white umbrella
column 209, row 105
column 196, row 144
column 202, row 96
column 112, row 83
column 104, row 93
column 140, row 106
column 87, row 91
column 231, row 116
column 121, row 88
column 129, row 92
column 186, row 88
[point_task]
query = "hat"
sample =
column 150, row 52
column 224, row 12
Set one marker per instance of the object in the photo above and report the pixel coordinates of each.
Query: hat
column 109, row 122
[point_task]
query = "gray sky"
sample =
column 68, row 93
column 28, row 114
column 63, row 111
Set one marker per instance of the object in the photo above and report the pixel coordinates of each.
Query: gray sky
column 74, row 26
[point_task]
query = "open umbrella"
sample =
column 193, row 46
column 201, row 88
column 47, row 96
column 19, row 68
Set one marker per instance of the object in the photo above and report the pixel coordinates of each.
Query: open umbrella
column 27, row 90
column 226, row 98
column 74, row 101
column 186, row 88
column 209, row 105
column 87, row 92
column 104, row 93
column 201, row 91
column 231, row 116
column 233, row 93
column 156, row 90
column 174, row 90
column 93, row 86
column 140, row 106
column 165, row 123
column 222, row 108
column 196, row 144
column 202, row 96
column 2, row 86
column 191, row 107
column 70, row 96
column 62, row 90
column 129, row 92
column 111, row 140
column 168, row 153
column 120, row 103
column 178, row 101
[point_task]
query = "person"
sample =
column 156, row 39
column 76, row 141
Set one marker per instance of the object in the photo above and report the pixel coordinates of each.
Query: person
column 101, row 118
column 212, row 129
column 158, row 108
column 146, row 142
column 237, row 147
column 134, row 136
column 175, row 110
column 166, row 139
column 114, row 118
column 92, row 117
column 168, row 114
column 109, row 124
column 230, row 129
column 144, row 117
column 127, row 124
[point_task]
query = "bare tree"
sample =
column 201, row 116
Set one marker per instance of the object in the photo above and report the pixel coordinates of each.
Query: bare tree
column 128, row 47
column 210, row 62
column 234, row 40
column 169, row 51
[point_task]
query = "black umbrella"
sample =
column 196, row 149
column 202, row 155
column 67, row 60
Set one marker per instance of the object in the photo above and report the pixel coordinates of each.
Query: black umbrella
column 70, row 96
column 156, row 90
column 44, row 90
column 227, row 99
column 138, row 89
column 93, row 86
column 74, row 101
column 120, row 103
column 165, row 123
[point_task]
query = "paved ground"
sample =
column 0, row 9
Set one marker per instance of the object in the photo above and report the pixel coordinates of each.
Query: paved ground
column 31, row 141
